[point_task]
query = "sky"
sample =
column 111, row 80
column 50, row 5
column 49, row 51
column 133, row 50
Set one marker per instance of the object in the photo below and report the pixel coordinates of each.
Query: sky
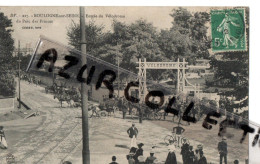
column 158, row 16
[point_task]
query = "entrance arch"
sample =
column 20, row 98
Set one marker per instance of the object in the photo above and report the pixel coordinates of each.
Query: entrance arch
column 180, row 66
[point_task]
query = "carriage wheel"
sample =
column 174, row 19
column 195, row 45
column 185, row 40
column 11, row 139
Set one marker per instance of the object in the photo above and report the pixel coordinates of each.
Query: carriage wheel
column 169, row 140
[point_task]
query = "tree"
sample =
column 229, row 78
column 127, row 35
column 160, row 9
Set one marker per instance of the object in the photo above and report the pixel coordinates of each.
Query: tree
column 187, row 37
column 25, row 59
column 7, row 83
column 131, row 42
column 94, row 36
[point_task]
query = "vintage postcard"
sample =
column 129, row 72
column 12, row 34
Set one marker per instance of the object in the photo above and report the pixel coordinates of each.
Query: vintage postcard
column 125, row 85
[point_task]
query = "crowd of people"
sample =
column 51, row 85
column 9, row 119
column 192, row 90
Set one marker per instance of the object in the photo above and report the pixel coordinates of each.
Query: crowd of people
column 136, row 156
column 136, row 153
column 188, row 155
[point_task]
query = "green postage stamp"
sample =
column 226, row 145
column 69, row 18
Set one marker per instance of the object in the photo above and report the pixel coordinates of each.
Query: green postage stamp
column 228, row 30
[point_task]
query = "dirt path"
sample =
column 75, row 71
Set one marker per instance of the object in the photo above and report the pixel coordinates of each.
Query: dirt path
column 57, row 135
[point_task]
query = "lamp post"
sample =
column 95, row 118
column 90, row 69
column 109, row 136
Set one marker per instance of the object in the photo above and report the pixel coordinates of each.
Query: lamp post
column 19, row 74
column 84, row 92
column 118, row 80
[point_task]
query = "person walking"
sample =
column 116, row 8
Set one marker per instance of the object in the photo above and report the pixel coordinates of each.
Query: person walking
column 222, row 149
column 171, row 157
column 178, row 130
column 123, row 106
column 132, row 133
column 3, row 143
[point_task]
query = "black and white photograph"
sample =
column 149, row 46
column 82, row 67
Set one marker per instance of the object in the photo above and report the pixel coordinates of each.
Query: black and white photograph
column 125, row 85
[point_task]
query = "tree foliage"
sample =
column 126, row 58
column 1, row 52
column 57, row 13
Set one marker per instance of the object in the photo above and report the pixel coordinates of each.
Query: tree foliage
column 7, row 83
column 94, row 36
column 187, row 37
column 232, row 71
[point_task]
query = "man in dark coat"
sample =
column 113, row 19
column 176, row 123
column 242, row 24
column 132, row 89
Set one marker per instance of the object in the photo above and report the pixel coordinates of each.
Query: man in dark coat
column 184, row 151
column 190, row 155
column 222, row 149
column 139, row 152
column 196, row 157
column 132, row 133
column 171, row 158
column 123, row 106
column 202, row 159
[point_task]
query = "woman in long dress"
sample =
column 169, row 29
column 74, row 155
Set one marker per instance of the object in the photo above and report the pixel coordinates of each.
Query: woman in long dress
column 171, row 158
column 225, row 27
column 3, row 143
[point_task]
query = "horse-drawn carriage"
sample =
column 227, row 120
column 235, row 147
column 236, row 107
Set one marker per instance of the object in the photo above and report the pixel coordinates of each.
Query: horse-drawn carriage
column 69, row 95
column 108, row 107
column 51, row 89
column 147, row 113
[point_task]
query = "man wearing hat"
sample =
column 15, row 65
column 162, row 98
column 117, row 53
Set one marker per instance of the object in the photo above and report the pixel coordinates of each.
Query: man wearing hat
column 3, row 143
column 184, row 151
column 132, row 133
column 202, row 159
column 222, row 149
column 190, row 155
column 151, row 158
column 139, row 151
